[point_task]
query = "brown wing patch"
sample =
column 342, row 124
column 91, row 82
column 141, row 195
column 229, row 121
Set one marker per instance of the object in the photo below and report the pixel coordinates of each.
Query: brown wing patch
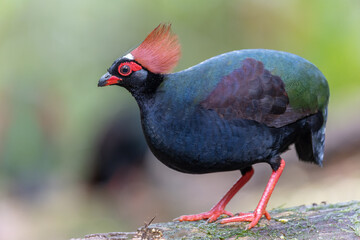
column 252, row 92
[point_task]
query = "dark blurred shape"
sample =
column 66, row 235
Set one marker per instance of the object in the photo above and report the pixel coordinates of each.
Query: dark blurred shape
column 119, row 152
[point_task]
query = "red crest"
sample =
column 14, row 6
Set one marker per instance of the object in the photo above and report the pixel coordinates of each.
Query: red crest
column 160, row 51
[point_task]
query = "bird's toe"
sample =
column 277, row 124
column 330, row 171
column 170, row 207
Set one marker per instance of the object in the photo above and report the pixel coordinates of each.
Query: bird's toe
column 253, row 218
column 211, row 216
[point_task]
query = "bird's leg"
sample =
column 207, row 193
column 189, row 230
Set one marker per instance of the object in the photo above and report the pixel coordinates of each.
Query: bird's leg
column 260, row 210
column 219, row 208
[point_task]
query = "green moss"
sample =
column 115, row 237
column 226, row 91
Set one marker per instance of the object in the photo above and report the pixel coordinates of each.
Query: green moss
column 354, row 226
column 216, row 231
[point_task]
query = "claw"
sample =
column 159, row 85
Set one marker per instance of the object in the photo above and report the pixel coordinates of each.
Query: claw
column 211, row 216
column 253, row 218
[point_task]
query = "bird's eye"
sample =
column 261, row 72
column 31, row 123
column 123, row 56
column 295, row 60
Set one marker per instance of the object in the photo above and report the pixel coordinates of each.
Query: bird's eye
column 125, row 69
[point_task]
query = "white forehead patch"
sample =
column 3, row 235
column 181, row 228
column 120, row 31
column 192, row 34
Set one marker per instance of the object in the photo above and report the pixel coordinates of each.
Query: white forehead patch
column 129, row 56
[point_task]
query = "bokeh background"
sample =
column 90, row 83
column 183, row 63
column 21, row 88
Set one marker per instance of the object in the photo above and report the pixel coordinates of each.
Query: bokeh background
column 55, row 123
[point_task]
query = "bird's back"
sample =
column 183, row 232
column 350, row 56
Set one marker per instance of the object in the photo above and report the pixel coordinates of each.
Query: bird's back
column 305, row 85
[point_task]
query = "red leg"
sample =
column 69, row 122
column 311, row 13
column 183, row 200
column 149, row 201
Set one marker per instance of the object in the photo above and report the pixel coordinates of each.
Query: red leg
column 219, row 208
column 254, row 217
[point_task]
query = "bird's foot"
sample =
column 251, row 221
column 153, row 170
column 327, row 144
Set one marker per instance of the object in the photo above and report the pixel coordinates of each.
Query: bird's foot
column 260, row 210
column 253, row 218
column 211, row 215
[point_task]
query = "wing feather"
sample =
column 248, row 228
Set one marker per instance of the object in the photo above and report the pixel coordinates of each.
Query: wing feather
column 252, row 92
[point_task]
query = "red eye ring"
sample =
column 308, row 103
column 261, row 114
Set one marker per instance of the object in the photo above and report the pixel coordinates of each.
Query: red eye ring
column 126, row 68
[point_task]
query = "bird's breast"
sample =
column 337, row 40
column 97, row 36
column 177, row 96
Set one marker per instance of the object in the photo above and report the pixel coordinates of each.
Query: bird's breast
column 196, row 140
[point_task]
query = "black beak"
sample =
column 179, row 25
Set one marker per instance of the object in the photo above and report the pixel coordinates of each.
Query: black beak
column 108, row 79
column 103, row 80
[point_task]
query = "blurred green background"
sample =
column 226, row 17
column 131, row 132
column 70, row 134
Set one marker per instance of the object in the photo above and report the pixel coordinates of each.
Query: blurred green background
column 52, row 54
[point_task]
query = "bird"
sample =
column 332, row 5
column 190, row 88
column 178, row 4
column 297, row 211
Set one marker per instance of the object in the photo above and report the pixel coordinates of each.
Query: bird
column 226, row 113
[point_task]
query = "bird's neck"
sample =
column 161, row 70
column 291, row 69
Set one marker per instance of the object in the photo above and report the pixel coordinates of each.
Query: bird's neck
column 144, row 95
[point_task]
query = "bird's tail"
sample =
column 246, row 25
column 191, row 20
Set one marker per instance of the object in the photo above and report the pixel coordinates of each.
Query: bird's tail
column 310, row 144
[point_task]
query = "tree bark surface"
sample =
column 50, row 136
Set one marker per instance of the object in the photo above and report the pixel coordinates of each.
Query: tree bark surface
column 319, row 221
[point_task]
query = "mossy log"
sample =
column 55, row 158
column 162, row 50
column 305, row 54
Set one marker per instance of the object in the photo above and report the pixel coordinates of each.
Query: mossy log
column 322, row 221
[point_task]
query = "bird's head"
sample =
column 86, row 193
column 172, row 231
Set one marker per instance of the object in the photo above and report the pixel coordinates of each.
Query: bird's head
column 156, row 55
